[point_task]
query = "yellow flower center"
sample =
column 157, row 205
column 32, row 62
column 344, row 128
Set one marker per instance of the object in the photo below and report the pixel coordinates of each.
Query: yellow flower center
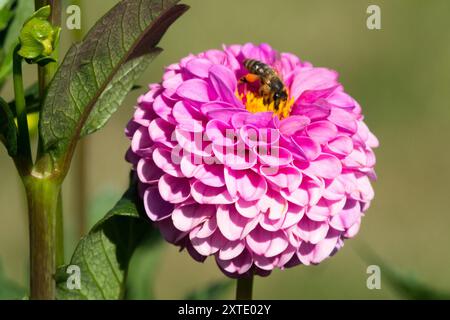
column 254, row 104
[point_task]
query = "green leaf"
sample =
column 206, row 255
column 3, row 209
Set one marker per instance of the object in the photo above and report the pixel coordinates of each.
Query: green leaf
column 23, row 10
column 213, row 291
column 8, row 129
column 144, row 266
column 96, row 74
column 115, row 93
column 104, row 254
column 8, row 289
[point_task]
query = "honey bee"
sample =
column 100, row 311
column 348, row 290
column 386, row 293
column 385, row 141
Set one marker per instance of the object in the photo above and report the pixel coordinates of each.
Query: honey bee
column 272, row 88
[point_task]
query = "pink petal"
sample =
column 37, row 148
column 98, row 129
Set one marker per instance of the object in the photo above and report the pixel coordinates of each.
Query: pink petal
column 161, row 131
column 322, row 131
column 174, row 190
column 236, row 157
column 293, row 124
column 313, row 254
column 167, row 162
column 312, row 231
column 199, row 67
column 231, row 249
column 147, row 171
column 284, row 177
column 231, row 224
column 308, row 146
column 274, row 156
column 187, row 117
column 205, row 194
column 211, row 175
column 248, row 184
column 195, row 90
column 247, row 209
column 187, row 217
column 220, row 133
column 156, row 207
column 325, row 166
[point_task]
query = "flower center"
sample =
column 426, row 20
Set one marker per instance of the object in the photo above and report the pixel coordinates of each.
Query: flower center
column 255, row 103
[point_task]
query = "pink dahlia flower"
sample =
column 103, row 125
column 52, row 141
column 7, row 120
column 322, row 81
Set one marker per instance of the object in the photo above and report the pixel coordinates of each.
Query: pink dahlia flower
column 224, row 173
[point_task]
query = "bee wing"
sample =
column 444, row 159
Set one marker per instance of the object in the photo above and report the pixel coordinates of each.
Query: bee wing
column 277, row 66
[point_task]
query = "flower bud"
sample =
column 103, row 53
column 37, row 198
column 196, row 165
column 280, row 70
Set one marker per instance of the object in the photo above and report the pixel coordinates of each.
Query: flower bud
column 38, row 38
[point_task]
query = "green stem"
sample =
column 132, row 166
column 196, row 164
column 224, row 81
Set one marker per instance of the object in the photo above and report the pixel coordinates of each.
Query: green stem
column 244, row 288
column 43, row 187
column 43, row 195
column 25, row 160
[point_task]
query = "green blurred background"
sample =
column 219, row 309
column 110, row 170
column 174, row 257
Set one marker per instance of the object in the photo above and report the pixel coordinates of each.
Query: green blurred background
column 399, row 74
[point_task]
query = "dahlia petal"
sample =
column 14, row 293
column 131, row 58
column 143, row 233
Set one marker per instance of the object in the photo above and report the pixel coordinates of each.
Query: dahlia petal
column 231, row 249
column 188, row 164
column 187, row 117
column 236, row 157
column 312, row 231
column 192, row 142
column 322, row 131
column 230, row 222
column 141, row 144
column 221, row 133
column 293, row 215
column 207, row 228
column 284, row 177
column 169, row 232
column 174, row 190
column 248, row 184
column 211, row 175
column 147, row 171
column 343, row 119
column 199, row 67
column 165, row 160
column 155, row 206
column 209, row 246
column 326, row 166
column 341, row 145
column 299, row 196
column 205, row 194
column 293, row 124
column 258, row 241
column 253, row 136
column 259, row 120
column 308, row 146
column 273, row 156
column 311, row 96
column 353, row 230
column 195, row 90
column 162, row 108
column 247, row 209
column 187, row 217
column 347, row 217
column 278, row 244
column 309, row 253
column 312, row 79
column 224, row 82
column 319, row 212
column 173, row 82
column 240, row 265
column 161, row 131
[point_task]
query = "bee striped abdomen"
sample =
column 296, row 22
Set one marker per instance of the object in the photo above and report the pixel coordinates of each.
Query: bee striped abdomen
column 257, row 67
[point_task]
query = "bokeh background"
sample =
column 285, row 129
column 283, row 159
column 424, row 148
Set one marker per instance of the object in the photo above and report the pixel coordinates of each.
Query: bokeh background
column 399, row 74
